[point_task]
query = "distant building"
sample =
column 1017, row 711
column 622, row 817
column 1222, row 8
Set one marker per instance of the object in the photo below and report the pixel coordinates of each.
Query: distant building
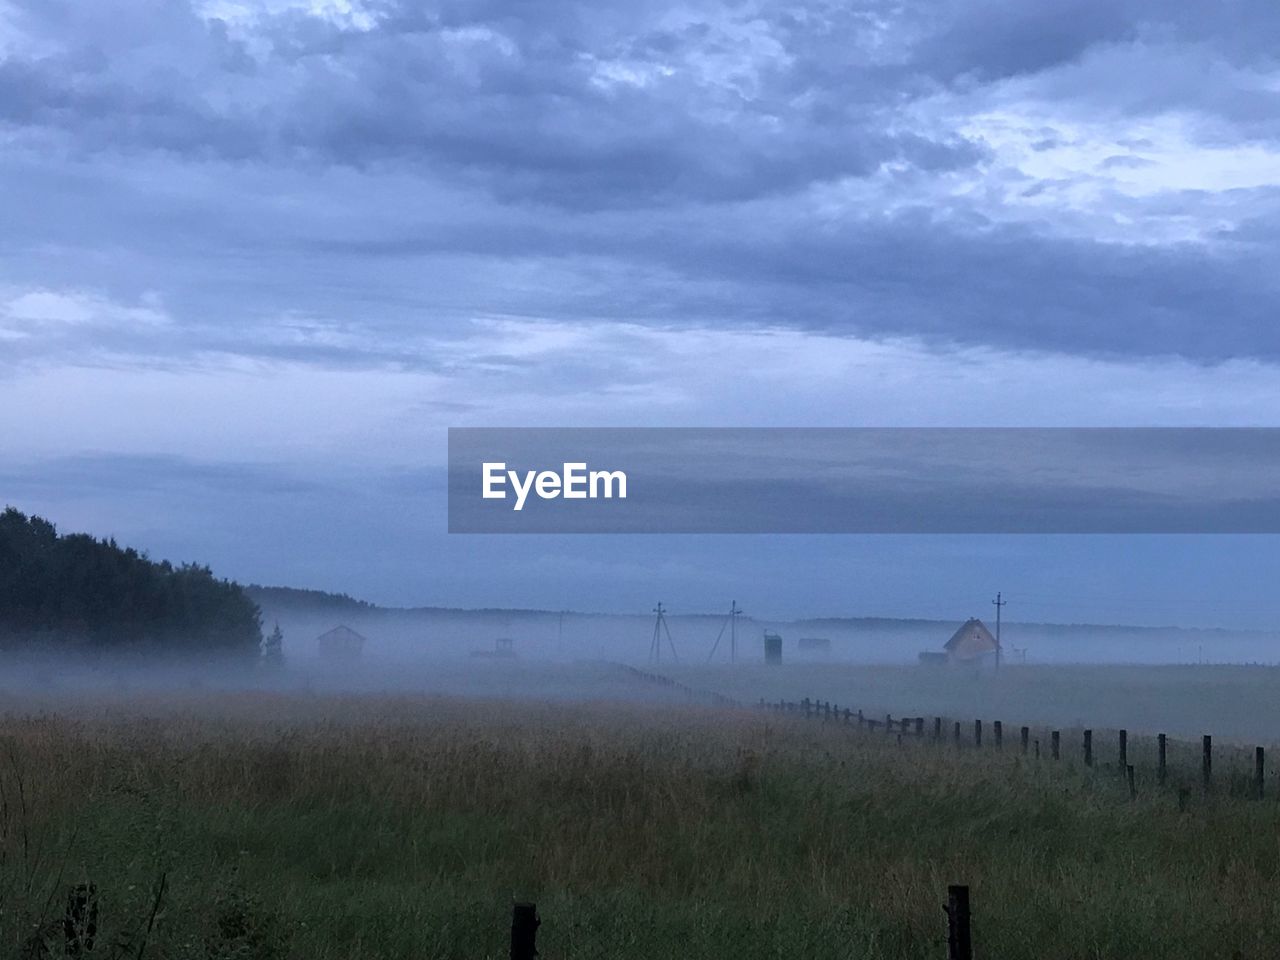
column 503, row 649
column 815, row 646
column 973, row 644
column 772, row 647
column 340, row 643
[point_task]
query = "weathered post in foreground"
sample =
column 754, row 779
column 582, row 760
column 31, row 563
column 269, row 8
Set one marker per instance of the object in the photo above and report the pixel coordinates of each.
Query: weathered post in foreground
column 997, row 728
column 957, row 733
column 524, row 931
column 1206, row 762
column 1162, row 766
column 1124, row 749
column 80, row 923
column 1088, row 748
column 977, row 733
column 1026, row 736
column 1055, row 744
column 1259, row 781
column 937, row 728
column 959, row 938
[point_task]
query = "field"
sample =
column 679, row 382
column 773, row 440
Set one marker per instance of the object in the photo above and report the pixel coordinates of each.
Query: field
column 328, row 826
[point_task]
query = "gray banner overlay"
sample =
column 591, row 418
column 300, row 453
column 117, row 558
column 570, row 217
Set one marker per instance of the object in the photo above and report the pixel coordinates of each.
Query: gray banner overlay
column 866, row 480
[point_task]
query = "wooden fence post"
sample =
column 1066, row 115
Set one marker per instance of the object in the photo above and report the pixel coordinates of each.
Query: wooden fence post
column 977, row 733
column 997, row 728
column 1026, row 736
column 80, row 922
column 524, row 931
column 1258, row 778
column 1088, row 748
column 959, row 938
column 1206, row 762
column 1162, row 769
column 957, row 733
column 1124, row 749
column 1055, row 744
column 937, row 728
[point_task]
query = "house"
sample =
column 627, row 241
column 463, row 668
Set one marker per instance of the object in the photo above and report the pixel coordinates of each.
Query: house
column 973, row 645
column 815, row 646
column 340, row 643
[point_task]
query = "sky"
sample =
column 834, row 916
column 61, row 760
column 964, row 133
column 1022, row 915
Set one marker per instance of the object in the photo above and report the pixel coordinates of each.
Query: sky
column 257, row 257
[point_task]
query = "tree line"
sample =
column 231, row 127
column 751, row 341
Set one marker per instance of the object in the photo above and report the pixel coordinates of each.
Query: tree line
column 74, row 589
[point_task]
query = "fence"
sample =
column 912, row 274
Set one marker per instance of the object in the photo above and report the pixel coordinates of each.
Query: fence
column 1251, row 783
column 525, row 922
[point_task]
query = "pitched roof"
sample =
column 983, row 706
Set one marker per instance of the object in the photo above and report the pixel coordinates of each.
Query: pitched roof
column 343, row 633
column 974, row 634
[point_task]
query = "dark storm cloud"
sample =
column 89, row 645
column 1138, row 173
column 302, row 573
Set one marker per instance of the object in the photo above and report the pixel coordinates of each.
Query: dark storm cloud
column 409, row 165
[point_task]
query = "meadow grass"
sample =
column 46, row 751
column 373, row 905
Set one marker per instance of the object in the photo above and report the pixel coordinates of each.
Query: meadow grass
column 341, row 827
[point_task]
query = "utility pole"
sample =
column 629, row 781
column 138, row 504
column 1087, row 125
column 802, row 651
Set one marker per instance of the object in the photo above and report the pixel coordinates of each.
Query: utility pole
column 659, row 629
column 998, row 602
column 731, row 623
column 733, row 631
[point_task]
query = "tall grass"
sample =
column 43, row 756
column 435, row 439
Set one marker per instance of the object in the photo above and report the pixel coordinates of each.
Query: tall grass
column 329, row 827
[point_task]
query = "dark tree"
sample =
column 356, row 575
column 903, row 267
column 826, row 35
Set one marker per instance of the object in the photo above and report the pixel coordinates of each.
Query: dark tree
column 273, row 648
column 74, row 589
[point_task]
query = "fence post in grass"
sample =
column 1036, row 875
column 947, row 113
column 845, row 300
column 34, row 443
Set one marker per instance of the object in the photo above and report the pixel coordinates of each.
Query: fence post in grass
column 1124, row 749
column 524, row 931
column 977, row 733
column 1162, row 768
column 959, row 939
column 1026, row 736
column 1055, row 744
column 1258, row 780
column 1133, row 790
column 937, row 728
column 919, row 726
column 1088, row 748
column 80, row 923
column 1206, row 762
column 957, row 733
column 997, row 728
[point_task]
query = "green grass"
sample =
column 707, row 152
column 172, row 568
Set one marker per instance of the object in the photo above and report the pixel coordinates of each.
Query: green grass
column 327, row 827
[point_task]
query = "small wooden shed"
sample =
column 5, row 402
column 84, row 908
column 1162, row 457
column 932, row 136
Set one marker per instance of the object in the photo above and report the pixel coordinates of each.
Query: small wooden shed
column 340, row 643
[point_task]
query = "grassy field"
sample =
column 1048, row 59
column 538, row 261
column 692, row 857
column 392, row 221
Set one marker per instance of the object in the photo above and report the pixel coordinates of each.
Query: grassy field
column 331, row 827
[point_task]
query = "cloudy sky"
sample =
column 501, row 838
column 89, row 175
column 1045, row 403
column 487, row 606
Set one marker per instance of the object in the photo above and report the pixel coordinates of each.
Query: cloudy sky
column 256, row 257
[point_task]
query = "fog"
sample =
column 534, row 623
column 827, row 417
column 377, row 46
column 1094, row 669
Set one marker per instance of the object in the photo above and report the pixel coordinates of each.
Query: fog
column 1175, row 680
column 405, row 637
